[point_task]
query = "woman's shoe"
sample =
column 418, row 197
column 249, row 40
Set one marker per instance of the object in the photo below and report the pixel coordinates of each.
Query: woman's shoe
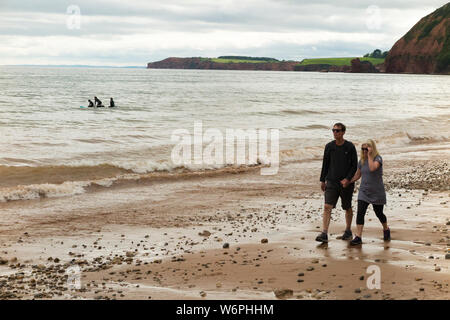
column 356, row 241
column 387, row 235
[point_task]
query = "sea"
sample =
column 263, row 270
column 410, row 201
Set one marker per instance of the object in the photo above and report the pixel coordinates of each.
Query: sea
column 50, row 147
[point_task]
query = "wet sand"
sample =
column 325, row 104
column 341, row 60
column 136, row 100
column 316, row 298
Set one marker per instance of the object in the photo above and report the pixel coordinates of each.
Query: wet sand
column 229, row 236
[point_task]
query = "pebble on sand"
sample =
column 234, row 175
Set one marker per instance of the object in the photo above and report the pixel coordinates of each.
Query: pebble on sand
column 205, row 233
column 283, row 293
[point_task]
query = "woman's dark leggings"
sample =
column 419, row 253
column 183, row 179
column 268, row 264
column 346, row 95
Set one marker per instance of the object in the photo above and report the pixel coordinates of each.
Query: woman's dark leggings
column 362, row 208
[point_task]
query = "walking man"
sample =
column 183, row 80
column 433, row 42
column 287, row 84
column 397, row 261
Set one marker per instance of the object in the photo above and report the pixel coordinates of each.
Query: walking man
column 338, row 167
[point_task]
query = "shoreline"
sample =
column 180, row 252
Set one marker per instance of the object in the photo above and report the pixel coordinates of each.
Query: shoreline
column 29, row 183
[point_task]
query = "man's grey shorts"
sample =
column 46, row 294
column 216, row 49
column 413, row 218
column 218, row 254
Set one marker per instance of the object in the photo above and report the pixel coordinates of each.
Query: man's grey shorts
column 334, row 191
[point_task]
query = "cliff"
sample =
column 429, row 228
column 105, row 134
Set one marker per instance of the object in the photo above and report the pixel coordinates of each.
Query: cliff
column 205, row 63
column 425, row 48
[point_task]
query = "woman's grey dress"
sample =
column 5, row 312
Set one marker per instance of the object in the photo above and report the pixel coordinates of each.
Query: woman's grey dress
column 371, row 189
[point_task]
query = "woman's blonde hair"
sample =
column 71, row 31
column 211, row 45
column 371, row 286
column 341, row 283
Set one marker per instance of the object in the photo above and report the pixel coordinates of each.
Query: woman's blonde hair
column 375, row 152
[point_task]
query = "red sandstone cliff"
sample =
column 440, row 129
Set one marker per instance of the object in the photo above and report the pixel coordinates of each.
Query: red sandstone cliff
column 425, row 48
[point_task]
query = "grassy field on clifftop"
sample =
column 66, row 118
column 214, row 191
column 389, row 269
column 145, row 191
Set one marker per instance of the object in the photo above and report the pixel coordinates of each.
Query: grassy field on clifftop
column 339, row 61
column 240, row 59
column 220, row 60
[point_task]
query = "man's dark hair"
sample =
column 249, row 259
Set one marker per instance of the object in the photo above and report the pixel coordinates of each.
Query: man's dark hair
column 340, row 125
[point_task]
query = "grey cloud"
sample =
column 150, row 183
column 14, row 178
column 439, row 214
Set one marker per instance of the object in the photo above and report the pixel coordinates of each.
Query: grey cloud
column 198, row 16
column 310, row 17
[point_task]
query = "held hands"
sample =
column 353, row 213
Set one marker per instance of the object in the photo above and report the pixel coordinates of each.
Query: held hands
column 345, row 183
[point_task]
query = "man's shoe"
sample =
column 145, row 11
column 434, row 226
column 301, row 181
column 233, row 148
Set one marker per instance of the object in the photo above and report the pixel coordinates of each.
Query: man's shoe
column 387, row 235
column 323, row 237
column 356, row 241
column 347, row 235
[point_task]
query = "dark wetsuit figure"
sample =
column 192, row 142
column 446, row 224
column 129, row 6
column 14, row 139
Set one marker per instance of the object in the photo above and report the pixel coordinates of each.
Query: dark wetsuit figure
column 111, row 103
column 91, row 104
column 98, row 103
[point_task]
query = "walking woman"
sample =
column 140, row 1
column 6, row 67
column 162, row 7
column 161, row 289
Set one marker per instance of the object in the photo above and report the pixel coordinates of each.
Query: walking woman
column 371, row 190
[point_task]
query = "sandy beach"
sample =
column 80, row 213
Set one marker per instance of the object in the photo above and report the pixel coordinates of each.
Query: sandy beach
column 170, row 151
column 230, row 234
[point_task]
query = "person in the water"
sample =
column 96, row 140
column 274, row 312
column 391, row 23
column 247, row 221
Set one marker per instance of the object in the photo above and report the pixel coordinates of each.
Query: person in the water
column 91, row 104
column 98, row 103
column 111, row 103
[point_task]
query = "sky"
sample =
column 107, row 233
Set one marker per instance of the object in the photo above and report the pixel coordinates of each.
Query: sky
column 135, row 32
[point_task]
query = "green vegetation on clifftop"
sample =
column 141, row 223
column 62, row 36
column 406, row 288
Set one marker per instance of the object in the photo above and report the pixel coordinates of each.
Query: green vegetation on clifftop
column 264, row 59
column 240, row 59
column 339, row 61
column 222, row 60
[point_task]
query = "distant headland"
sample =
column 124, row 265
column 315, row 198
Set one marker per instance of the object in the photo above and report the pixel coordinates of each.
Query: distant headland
column 352, row 64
